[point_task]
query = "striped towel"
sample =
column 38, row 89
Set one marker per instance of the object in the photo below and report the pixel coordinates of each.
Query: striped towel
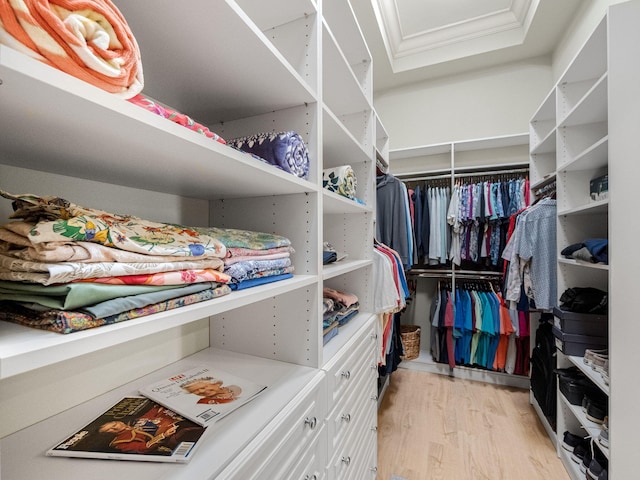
column 88, row 39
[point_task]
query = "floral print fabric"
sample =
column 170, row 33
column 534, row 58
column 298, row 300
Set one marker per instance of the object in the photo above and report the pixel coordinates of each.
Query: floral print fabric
column 59, row 220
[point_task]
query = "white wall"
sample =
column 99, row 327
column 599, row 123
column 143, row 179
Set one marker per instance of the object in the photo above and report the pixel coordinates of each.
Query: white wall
column 483, row 103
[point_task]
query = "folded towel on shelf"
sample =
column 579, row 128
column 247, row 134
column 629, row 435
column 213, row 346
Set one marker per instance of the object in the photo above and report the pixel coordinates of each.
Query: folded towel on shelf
column 175, row 116
column 341, row 180
column 89, row 39
column 285, row 150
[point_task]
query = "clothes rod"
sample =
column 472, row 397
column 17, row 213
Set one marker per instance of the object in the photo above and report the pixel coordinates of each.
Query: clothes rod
column 463, row 174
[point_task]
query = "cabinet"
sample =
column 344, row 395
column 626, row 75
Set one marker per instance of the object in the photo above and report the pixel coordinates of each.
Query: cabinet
column 296, row 65
column 585, row 128
column 444, row 163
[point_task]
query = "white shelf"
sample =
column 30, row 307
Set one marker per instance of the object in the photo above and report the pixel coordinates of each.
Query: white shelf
column 547, row 145
column 340, row 146
column 343, row 92
column 334, row 203
column 592, row 108
column 119, row 142
column 23, row 453
column 600, row 206
column 593, row 157
column 583, row 263
column 23, row 349
column 343, row 266
column 594, row 376
column 210, row 83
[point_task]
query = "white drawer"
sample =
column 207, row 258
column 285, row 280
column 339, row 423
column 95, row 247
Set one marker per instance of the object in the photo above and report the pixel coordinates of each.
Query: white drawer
column 312, row 464
column 359, row 402
column 356, row 358
column 286, row 438
column 350, row 458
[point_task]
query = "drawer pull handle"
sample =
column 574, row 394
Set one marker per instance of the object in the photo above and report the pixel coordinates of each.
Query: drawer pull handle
column 346, row 374
column 346, row 417
column 374, row 367
column 374, row 428
column 311, row 422
column 374, row 397
column 346, row 460
column 311, row 477
column 374, row 469
column 374, row 336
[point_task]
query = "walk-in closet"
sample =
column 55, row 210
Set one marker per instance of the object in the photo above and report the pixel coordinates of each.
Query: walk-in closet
column 386, row 223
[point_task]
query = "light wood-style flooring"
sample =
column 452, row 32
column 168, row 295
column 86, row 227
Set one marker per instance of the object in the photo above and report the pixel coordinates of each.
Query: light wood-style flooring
column 433, row 427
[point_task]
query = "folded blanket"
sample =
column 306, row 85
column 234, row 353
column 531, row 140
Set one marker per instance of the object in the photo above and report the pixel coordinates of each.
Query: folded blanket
column 341, row 180
column 253, row 268
column 72, row 321
column 175, row 277
column 174, row 116
column 235, row 238
column 89, row 39
column 71, row 296
column 255, row 282
column 285, row 150
column 59, row 220
column 65, row 272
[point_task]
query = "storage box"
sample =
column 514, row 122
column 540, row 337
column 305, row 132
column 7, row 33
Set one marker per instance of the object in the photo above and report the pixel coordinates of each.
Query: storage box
column 599, row 188
column 580, row 323
column 575, row 344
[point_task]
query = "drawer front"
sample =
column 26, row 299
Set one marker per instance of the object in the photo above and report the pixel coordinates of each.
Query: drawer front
column 352, row 458
column 312, row 464
column 359, row 403
column 288, row 437
column 360, row 358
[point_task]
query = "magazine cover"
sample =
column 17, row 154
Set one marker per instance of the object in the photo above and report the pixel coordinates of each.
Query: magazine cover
column 202, row 394
column 135, row 428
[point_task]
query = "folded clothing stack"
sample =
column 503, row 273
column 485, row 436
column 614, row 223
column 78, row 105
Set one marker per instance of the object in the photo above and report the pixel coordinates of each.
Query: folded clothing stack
column 64, row 267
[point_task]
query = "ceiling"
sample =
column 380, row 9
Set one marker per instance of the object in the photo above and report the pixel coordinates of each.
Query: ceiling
column 418, row 40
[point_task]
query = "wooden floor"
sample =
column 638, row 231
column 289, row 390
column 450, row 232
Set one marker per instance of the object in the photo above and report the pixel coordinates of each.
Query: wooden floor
column 433, row 426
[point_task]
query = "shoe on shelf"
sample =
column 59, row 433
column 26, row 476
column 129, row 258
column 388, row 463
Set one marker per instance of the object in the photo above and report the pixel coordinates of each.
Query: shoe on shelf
column 579, row 451
column 596, row 411
column 590, row 354
column 586, row 461
column 598, row 362
column 604, row 475
column 604, row 371
column 603, row 438
column 570, row 441
column 598, row 464
column 595, row 470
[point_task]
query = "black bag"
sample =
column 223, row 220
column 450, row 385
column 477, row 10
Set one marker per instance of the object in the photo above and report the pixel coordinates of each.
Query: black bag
column 584, row 300
column 543, row 366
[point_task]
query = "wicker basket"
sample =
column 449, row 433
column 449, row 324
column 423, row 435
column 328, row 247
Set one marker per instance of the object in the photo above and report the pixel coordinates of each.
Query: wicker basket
column 411, row 341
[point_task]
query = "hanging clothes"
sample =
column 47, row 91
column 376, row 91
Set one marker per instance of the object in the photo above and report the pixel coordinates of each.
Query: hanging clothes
column 472, row 326
column 393, row 219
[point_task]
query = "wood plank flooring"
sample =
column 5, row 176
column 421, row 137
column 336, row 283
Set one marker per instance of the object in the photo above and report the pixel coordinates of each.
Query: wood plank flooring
column 433, row 427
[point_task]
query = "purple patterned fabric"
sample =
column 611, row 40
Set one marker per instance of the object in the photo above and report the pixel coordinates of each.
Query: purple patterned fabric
column 285, row 150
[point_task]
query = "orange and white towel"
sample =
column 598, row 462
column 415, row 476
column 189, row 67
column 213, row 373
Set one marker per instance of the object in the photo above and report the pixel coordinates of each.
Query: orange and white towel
column 89, row 39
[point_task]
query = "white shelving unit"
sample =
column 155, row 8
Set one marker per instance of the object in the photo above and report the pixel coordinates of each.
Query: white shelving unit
column 446, row 160
column 297, row 65
column 592, row 114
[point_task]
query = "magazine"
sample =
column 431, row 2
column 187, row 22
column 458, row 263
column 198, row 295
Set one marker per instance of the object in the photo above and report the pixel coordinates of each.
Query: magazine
column 135, row 428
column 203, row 394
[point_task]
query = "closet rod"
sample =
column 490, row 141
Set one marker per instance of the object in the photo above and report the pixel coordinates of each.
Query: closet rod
column 466, row 274
column 464, row 174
